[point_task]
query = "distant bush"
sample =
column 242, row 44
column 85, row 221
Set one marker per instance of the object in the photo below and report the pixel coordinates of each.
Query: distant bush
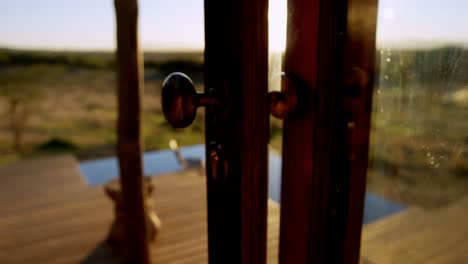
column 461, row 170
column 192, row 68
column 4, row 58
column 57, row 145
column 459, row 162
column 83, row 60
column 92, row 60
column 182, row 66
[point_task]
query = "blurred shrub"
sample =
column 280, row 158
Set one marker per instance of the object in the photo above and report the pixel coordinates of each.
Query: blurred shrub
column 57, row 145
column 19, row 89
column 460, row 166
column 94, row 60
column 72, row 59
column 194, row 69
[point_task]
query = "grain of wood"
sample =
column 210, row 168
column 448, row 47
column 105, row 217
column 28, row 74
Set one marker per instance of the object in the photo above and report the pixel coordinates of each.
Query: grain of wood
column 64, row 230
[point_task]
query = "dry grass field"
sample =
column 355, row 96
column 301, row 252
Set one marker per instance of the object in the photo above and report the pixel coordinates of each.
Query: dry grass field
column 76, row 112
column 419, row 143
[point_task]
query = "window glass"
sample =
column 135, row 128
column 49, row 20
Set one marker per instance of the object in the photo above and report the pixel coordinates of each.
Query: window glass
column 417, row 182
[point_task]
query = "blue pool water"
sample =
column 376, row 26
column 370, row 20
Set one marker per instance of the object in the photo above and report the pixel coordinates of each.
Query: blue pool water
column 155, row 163
column 100, row 171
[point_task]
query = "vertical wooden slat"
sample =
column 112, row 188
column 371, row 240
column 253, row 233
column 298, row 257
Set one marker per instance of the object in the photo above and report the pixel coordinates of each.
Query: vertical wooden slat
column 236, row 67
column 130, row 85
column 298, row 135
column 325, row 144
column 359, row 68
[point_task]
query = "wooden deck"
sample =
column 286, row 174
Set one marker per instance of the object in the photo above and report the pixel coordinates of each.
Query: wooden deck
column 417, row 236
column 50, row 215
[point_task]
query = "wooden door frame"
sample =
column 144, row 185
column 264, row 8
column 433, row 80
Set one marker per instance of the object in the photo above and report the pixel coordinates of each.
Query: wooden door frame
column 330, row 49
column 236, row 71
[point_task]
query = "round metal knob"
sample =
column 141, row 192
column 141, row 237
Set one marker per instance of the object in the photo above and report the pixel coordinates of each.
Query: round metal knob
column 284, row 102
column 180, row 100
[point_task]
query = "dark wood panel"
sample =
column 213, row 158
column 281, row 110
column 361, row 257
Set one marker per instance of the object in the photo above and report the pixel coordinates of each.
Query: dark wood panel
column 359, row 69
column 298, row 134
column 236, row 68
column 325, row 142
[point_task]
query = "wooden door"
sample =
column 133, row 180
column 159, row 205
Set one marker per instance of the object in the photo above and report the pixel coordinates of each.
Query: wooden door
column 236, row 69
column 329, row 64
column 330, row 54
column 236, row 105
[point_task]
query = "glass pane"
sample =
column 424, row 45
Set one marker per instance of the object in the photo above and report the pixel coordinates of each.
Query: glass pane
column 276, row 46
column 276, row 41
column 417, row 188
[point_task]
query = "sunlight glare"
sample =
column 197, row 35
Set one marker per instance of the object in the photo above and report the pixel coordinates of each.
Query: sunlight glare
column 277, row 14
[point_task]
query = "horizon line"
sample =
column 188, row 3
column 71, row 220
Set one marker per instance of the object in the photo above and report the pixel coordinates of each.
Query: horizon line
column 408, row 45
column 103, row 50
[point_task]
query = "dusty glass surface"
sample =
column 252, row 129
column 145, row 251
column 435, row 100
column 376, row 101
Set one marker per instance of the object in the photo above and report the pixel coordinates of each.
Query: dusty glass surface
column 419, row 136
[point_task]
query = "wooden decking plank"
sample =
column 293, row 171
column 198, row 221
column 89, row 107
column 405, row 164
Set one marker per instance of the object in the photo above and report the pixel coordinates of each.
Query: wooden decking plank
column 429, row 237
column 457, row 254
column 54, row 229
column 52, row 172
column 12, row 221
column 62, row 220
column 22, row 205
column 52, row 248
column 416, row 236
column 392, row 226
column 25, row 167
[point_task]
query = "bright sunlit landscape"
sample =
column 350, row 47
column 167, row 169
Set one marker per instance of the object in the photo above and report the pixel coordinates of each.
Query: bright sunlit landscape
column 58, row 133
column 44, row 65
column 57, row 85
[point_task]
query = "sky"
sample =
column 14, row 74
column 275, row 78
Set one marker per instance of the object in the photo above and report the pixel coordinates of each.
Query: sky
column 178, row 24
column 422, row 22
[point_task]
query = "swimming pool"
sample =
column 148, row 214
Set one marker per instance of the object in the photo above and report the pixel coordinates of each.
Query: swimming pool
column 100, row 171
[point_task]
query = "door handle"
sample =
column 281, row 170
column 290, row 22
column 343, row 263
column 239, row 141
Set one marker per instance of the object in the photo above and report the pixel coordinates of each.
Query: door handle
column 179, row 104
column 180, row 100
column 287, row 101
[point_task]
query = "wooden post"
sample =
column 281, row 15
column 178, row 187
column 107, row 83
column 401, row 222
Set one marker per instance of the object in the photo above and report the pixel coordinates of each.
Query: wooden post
column 129, row 148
